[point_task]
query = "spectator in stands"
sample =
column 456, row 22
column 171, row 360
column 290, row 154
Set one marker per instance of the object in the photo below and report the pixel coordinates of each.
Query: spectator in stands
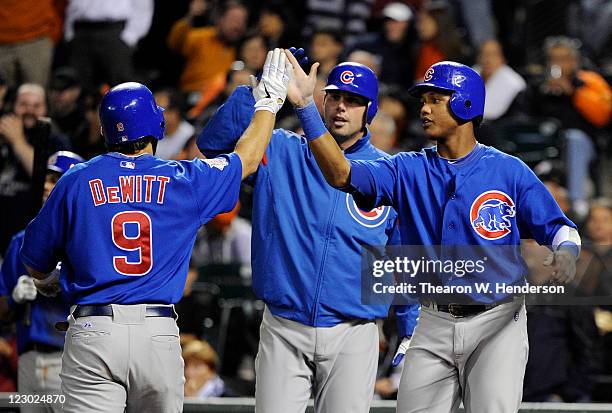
column 564, row 346
column 383, row 132
column 178, row 130
column 253, row 51
column 102, row 36
column 28, row 29
column 502, row 83
column 66, row 104
column 564, row 353
column 589, row 20
column 18, row 132
column 599, row 233
column 365, row 58
column 201, row 378
column 226, row 239
column 394, row 44
column 209, row 51
column 325, row 48
column 589, row 267
column 210, row 101
column 3, row 93
column 278, row 24
column 581, row 100
column 347, row 16
column 599, row 226
column 89, row 141
column 479, row 21
column 438, row 36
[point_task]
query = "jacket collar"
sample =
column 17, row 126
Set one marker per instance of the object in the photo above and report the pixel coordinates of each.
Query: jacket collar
column 360, row 144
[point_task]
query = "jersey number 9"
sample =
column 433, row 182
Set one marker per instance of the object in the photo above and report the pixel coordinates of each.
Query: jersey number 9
column 142, row 243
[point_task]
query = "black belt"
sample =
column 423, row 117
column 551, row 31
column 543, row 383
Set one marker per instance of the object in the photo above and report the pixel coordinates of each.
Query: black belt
column 464, row 310
column 107, row 310
column 41, row 348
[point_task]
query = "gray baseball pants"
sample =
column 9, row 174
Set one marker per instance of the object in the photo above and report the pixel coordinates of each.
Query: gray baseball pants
column 125, row 362
column 335, row 364
column 479, row 359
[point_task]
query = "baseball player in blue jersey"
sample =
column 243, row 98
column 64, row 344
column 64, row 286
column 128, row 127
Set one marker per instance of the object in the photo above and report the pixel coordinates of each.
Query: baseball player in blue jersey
column 457, row 193
column 317, row 338
column 39, row 345
column 124, row 224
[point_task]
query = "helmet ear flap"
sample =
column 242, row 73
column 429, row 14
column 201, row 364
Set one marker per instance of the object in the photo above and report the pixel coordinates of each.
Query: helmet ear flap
column 459, row 107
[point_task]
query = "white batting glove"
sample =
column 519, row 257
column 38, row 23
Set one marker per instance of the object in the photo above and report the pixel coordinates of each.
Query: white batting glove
column 271, row 91
column 49, row 286
column 24, row 290
column 401, row 351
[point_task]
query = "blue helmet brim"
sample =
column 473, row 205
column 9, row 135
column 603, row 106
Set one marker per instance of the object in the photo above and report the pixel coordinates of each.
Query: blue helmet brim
column 417, row 90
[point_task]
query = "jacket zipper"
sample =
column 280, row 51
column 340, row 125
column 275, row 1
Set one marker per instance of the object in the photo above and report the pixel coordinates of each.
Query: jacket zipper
column 321, row 268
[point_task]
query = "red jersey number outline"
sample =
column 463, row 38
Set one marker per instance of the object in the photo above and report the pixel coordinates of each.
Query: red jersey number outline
column 143, row 243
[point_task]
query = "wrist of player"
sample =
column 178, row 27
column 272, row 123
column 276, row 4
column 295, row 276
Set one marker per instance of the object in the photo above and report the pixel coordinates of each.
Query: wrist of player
column 269, row 104
column 48, row 286
column 311, row 121
column 302, row 102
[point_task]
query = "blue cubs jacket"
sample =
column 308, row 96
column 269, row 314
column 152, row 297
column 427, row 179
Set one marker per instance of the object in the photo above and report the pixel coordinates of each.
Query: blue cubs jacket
column 45, row 311
column 307, row 237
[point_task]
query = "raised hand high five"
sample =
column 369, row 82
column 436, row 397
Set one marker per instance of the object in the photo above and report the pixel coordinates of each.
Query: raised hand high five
column 301, row 86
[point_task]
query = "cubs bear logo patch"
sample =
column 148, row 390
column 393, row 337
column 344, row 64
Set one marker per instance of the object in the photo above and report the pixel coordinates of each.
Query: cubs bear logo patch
column 490, row 214
column 370, row 219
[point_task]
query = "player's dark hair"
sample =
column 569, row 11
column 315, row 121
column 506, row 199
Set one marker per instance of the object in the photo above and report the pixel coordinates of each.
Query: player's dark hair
column 132, row 147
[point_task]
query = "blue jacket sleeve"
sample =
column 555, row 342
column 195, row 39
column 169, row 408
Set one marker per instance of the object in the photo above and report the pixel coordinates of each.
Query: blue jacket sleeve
column 226, row 126
column 11, row 269
column 407, row 317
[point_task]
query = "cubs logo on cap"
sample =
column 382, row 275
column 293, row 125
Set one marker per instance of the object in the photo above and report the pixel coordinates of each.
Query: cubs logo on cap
column 429, row 74
column 347, row 77
column 370, row 219
column 120, row 127
column 490, row 214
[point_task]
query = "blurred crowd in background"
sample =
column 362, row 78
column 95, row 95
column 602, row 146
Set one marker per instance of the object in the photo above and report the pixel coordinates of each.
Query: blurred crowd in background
column 547, row 67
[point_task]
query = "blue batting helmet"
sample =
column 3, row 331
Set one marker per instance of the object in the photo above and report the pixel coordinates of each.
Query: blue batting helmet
column 358, row 79
column 468, row 90
column 128, row 112
column 62, row 161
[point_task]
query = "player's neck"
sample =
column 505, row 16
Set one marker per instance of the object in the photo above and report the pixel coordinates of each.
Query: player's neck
column 351, row 141
column 457, row 145
column 146, row 150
